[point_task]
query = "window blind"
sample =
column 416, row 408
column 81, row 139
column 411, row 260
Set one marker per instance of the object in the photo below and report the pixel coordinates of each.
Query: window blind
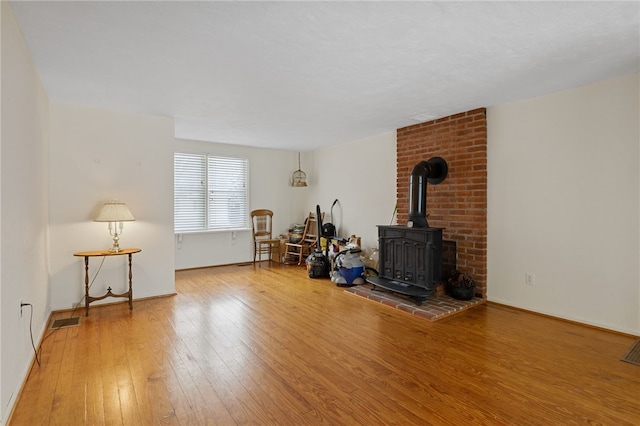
column 227, row 192
column 210, row 192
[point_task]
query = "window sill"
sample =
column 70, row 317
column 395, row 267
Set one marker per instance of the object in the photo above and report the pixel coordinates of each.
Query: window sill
column 213, row 231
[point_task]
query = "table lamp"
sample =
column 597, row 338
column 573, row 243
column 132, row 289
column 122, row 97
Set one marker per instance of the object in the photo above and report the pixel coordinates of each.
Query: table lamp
column 115, row 213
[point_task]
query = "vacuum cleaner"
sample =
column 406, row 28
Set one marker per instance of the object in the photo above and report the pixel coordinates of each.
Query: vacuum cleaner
column 329, row 229
column 318, row 264
column 349, row 268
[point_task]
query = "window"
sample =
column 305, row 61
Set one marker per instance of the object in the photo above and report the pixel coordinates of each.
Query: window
column 210, row 192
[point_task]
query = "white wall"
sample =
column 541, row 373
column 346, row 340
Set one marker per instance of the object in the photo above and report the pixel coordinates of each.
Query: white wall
column 97, row 156
column 269, row 188
column 563, row 204
column 362, row 176
column 23, row 213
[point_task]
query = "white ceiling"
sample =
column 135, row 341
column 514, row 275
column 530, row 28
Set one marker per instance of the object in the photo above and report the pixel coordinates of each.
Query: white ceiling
column 300, row 75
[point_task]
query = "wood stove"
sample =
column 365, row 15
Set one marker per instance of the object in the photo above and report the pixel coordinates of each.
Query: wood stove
column 410, row 257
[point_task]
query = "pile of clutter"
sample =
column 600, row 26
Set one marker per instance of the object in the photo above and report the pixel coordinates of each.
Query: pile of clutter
column 337, row 258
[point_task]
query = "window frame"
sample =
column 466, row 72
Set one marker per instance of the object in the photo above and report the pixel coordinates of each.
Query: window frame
column 205, row 158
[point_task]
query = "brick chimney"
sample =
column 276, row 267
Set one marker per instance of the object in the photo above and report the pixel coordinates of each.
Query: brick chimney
column 459, row 203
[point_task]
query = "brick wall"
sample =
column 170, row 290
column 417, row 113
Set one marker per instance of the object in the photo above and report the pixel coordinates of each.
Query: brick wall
column 459, row 204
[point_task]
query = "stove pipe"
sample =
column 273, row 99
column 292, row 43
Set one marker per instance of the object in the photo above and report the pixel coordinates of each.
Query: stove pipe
column 433, row 171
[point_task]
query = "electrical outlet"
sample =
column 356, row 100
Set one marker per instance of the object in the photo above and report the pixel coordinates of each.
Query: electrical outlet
column 529, row 278
column 20, row 308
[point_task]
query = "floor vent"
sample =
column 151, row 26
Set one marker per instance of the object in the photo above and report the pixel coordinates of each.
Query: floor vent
column 65, row 322
column 633, row 355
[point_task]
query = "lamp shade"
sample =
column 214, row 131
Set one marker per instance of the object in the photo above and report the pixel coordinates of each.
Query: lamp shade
column 114, row 212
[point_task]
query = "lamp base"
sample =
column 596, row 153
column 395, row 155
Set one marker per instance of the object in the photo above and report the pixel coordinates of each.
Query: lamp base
column 116, row 243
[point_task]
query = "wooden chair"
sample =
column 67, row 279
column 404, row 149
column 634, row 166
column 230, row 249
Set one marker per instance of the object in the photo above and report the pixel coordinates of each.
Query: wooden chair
column 263, row 241
column 300, row 250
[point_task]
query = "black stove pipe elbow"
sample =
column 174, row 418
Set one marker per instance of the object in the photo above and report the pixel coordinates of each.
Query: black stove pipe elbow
column 433, row 171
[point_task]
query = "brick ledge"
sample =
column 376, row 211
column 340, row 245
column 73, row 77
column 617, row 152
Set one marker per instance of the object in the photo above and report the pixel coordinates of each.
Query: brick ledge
column 432, row 309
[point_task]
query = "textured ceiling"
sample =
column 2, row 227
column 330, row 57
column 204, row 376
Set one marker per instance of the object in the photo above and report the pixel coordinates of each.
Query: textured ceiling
column 300, row 75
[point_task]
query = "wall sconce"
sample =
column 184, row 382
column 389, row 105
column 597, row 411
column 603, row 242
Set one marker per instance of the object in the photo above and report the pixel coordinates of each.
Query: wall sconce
column 299, row 178
column 115, row 213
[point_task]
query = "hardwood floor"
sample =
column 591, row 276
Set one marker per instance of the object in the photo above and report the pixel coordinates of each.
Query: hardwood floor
column 268, row 345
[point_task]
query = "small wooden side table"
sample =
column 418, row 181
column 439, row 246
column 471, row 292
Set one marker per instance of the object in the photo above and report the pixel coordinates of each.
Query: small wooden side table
column 87, row 254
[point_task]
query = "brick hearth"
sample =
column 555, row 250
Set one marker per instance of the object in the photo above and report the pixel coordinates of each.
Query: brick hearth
column 434, row 308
